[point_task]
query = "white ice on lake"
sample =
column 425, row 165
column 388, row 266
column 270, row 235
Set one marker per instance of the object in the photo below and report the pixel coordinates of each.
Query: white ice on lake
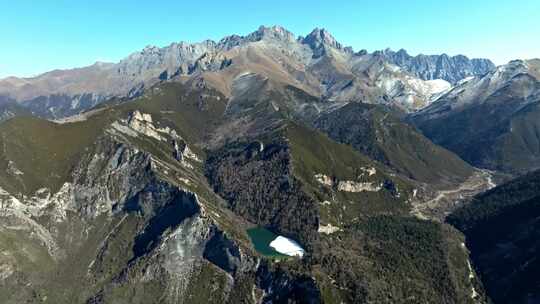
column 287, row 246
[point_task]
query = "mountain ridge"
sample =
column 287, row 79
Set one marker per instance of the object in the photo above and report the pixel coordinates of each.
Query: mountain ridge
column 490, row 121
column 316, row 63
column 128, row 204
column 450, row 68
column 502, row 231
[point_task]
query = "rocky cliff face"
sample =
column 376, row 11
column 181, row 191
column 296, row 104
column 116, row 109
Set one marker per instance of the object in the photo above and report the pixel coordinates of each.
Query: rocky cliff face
column 428, row 67
column 57, row 106
column 126, row 227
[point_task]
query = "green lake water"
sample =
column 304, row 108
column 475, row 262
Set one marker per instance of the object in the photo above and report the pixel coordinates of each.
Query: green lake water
column 261, row 239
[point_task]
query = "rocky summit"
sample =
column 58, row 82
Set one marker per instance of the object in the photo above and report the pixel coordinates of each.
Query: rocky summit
column 271, row 168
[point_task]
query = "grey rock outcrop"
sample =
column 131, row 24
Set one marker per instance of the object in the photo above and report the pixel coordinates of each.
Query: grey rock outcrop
column 429, row 67
column 319, row 40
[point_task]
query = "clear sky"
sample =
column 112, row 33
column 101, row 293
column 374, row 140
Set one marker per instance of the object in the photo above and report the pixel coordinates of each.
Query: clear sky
column 41, row 35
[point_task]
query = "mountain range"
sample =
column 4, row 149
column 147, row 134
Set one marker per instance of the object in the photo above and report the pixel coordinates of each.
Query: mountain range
column 271, row 168
column 430, row 67
column 317, row 64
column 490, row 121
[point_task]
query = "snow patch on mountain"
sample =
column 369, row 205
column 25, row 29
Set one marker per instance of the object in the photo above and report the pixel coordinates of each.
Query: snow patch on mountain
column 478, row 89
column 410, row 92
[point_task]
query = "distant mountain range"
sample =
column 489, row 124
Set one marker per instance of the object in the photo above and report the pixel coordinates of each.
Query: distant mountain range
column 491, row 121
column 429, row 67
column 317, row 64
column 167, row 177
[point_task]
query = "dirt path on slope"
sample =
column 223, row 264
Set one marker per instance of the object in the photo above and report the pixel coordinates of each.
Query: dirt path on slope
column 443, row 202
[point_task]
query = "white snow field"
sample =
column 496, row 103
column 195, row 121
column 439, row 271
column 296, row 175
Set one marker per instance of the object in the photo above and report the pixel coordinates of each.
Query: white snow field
column 287, row 246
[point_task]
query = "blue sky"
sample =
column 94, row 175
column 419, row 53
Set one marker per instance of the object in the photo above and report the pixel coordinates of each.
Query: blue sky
column 41, row 35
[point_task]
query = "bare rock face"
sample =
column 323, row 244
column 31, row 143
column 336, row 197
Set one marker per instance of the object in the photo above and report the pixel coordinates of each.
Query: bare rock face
column 63, row 104
column 152, row 61
column 134, row 220
column 210, row 61
column 142, row 123
column 352, row 186
column 430, row 67
column 328, row 229
column 324, row 179
column 319, row 40
column 106, row 180
column 182, row 152
column 349, row 185
column 117, row 215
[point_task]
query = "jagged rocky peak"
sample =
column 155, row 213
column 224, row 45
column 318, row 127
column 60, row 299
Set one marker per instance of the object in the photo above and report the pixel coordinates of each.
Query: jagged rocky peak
column 402, row 53
column 321, row 37
column 176, row 56
column 516, row 67
column 272, row 32
column 429, row 67
column 400, row 57
column 149, row 50
column 319, row 40
column 362, row 52
column 229, row 42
